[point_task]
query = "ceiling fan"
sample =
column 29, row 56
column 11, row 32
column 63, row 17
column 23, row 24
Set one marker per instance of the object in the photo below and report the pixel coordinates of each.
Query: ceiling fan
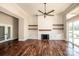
column 46, row 13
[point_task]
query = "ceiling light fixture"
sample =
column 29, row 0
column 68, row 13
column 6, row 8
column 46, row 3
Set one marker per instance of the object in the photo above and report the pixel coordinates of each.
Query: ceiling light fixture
column 45, row 13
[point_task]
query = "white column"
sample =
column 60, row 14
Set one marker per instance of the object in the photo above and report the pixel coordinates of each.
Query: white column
column 21, row 29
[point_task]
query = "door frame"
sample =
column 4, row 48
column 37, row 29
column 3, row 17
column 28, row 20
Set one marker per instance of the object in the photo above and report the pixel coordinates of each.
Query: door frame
column 6, row 27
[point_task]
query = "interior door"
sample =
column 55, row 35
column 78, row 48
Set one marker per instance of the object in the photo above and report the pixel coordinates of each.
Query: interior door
column 5, row 32
column 8, row 33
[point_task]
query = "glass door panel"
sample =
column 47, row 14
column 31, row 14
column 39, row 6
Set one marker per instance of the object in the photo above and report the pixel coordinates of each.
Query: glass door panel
column 2, row 33
column 76, row 32
column 70, row 32
column 8, row 33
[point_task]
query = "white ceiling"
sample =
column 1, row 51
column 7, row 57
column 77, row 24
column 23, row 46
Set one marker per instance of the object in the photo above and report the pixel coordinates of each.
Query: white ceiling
column 74, row 12
column 33, row 8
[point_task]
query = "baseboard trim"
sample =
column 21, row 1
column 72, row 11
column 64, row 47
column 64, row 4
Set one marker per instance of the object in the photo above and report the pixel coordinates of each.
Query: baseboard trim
column 8, row 40
column 22, row 39
column 49, row 39
column 32, row 39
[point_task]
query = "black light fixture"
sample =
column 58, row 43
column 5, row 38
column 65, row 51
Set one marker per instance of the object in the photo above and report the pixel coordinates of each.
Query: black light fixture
column 45, row 13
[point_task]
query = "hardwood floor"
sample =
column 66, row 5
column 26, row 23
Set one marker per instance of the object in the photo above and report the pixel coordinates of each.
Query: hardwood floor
column 38, row 48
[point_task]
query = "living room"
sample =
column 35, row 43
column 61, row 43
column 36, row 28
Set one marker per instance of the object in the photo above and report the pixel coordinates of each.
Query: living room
column 39, row 29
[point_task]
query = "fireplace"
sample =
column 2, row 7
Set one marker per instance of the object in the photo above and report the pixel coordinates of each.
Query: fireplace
column 45, row 36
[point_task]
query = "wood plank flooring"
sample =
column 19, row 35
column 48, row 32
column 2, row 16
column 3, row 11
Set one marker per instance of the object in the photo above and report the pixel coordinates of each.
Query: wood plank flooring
column 38, row 48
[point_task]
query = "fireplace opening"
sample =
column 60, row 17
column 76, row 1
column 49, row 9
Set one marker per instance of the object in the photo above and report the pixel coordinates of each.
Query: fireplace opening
column 44, row 36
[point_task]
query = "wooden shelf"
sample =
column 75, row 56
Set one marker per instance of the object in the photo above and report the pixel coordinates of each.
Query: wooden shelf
column 32, row 25
column 58, row 28
column 58, row 24
column 33, row 29
column 44, row 29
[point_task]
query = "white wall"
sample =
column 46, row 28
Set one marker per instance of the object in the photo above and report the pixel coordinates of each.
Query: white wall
column 47, row 23
column 33, row 34
column 15, row 28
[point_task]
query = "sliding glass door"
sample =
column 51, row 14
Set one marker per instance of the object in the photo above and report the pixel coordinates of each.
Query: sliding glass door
column 73, row 32
column 76, row 32
column 73, row 37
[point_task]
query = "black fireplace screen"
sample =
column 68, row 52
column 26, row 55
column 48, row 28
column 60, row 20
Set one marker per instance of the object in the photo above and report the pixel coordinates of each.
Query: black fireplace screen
column 44, row 36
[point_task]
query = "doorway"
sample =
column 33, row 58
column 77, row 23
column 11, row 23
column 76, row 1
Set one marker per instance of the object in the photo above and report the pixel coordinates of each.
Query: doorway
column 5, row 32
